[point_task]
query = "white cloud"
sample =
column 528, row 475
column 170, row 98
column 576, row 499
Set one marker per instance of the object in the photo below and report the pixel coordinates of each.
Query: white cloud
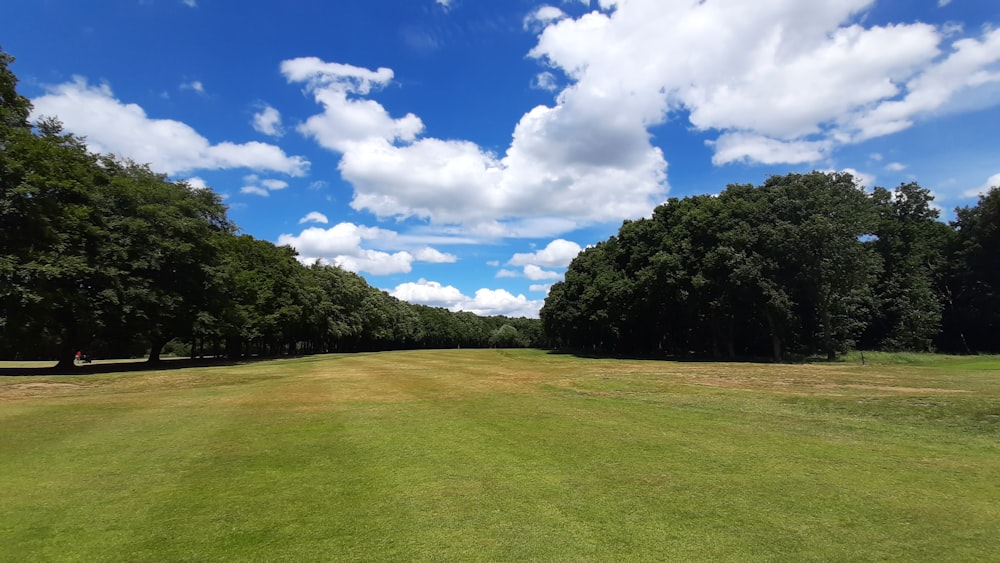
column 895, row 167
column 967, row 67
column 486, row 301
column 314, row 217
column 778, row 80
column 429, row 293
column 194, row 85
column 557, row 254
column 543, row 16
column 540, row 288
column 432, row 256
column 168, row 146
column 268, row 122
column 534, row 273
column 750, row 147
column 256, row 186
column 991, row 182
column 493, row 263
column 446, row 4
column 505, row 273
column 376, row 262
column 545, row 81
column 943, row 3
column 347, row 120
column 254, row 190
column 196, row 183
column 274, row 185
column 774, row 81
column 861, row 178
column 344, row 245
column 190, row 3
column 557, row 171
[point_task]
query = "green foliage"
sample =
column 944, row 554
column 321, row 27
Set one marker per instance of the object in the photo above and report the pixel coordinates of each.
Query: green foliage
column 106, row 255
column 974, row 283
column 912, row 244
column 508, row 337
column 805, row 264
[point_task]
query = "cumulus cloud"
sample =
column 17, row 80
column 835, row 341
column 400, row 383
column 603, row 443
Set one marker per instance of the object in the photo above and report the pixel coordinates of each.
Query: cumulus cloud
column 991, row 182
column 171, row 147
column 557, row 254
column 779, row 81
column 535, row 273
column 361, row 249
column 895, row 167
column 314, row 217
column 348, row 120
column 432, row 256
column 254, row 185
column 268, row 122
column 774, row 82
column 560, row 164
column 485, row 302
column 543, row 16
column 545, row 81
column 274, row 185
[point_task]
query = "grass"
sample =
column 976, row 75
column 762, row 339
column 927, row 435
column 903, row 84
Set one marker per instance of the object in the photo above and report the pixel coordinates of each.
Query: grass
column 504, row 455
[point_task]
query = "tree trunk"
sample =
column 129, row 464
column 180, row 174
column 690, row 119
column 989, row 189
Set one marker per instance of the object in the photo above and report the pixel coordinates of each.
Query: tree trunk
column 155, row 346
column 831, row 354
column 775, row 338
column 67, row 360
column 66, row 354
column 731, row 338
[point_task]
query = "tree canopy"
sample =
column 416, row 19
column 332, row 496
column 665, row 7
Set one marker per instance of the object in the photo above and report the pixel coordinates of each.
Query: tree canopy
column 105, row 255
column 804, row 264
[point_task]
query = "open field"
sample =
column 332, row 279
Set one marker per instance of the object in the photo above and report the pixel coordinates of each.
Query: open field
column 505, row 455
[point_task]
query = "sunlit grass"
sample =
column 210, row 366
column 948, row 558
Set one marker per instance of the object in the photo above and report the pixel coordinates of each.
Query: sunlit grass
column 510, row 455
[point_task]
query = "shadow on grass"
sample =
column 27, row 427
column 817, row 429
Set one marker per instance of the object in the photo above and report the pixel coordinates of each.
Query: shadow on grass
column 593, row 355
column 791, row 359
column 131, row 366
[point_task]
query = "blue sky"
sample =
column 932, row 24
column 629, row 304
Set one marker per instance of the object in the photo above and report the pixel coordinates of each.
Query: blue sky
column 459, row 153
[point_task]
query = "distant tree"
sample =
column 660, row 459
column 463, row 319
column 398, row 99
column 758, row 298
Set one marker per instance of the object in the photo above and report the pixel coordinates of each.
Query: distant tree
column 973, row 316
column 755, row 268
column 822, row 218
column 164, row 245
column 508, row 337
column 912, row 244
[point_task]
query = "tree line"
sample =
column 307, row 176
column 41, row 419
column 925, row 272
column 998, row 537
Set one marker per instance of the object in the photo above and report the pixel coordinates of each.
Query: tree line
column 105, row 255
column 804, row 264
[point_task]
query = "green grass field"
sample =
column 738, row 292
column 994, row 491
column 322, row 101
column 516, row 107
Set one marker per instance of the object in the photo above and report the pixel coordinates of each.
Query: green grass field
column 505, row 455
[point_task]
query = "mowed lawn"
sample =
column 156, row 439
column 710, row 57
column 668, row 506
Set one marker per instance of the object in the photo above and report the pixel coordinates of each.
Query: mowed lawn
column 504, row 455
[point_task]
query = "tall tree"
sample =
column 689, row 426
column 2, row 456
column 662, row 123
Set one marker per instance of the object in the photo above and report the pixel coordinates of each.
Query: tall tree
column 51, row 235
column 974, row 314
column 823, row 217
column 163, row 246
column 912, row 244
